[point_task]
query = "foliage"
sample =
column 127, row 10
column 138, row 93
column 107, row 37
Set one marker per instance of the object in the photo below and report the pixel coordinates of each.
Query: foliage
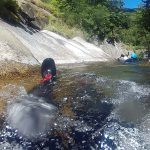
column 95, row 21
column 92, row 16
column 9, row 10
column 138, row 33
column 58, row 26
column 97, row 18
column 10, row 5
column 116, row 4
column 146, row 15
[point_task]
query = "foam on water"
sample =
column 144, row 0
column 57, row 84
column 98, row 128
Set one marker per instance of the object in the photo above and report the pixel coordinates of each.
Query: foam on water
column 31, row 115
column 124, row 90
column 126, row 133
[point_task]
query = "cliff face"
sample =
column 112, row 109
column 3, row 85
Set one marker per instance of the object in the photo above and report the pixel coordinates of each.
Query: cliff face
column 30, row 47
column 11, row 48
column 114, row 51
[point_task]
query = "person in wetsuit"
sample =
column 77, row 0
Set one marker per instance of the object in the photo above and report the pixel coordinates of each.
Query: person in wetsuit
column 48, row 67
column 48, row 73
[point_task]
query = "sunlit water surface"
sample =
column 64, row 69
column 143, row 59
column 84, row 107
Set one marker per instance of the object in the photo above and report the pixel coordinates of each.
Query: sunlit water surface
column 95, row 107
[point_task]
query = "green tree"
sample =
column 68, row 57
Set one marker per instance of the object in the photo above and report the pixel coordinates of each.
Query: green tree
column 116, row 22
column 116, row 4
column 146, row 15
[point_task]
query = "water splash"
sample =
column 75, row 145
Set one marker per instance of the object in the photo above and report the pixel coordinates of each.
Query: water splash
column 30, row 115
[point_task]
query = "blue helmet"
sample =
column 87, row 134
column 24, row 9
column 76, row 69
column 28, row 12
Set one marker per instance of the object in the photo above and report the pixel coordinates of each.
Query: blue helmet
column 133, row 55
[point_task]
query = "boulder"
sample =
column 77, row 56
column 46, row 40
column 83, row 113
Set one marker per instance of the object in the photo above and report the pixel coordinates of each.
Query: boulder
column 32, row 15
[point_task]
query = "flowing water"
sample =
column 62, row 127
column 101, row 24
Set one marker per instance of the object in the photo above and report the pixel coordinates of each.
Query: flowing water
column 95, row 107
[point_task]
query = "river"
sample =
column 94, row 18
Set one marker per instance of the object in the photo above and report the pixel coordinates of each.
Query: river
column 93, row 107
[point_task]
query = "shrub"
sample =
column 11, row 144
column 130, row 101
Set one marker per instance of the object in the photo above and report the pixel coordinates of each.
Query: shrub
column 10, row 5
column 58, row 26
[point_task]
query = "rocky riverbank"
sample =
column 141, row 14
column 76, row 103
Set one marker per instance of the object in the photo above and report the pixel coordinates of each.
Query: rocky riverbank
column 20, row 49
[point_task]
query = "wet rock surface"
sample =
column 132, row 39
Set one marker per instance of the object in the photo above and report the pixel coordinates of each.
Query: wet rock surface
column 27, row 46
